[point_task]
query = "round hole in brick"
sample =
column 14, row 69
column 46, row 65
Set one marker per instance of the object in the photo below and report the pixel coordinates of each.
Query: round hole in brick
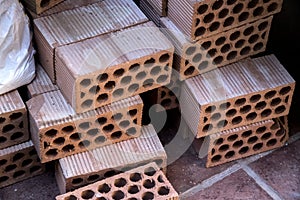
column 27, row 162
column 87, row 104
column 3, row 162
column 247, row 134
column 245, row 51
column 164, row 58
column 149, row 63
column 218, row 60
column 160, row 179
column 166, row 102
column 3, row 139
column 135, row 177
column 133, row 88
column 82, row 95
column 229, row 154
column 257, row 147
column 280, row 132
column 260, row 105
column 155, row 71
column 68, row 148
column 87, row 194
column 75, row 136
column 118, row 93
column 275, row 126
column 217, row 4
column 232, row 138
column 51, row 153
column 243, row 150
column 252, row 140
column 223, row 13
column 240, row 102
column 149, row 183
column 71, row 197
column 263, row 36
column 238, row 144
column 251, row 116
column 59, row 141
column 104, row 188
column 235, row 35
column 116, row 135
column 100, row 140
column 203, row 65
column 10, row 168
column 216, row 158
column 225, row 48
column 248, row 31
column 228, row 21
column 2, row 120
column 202, row 9
column 134, row 67
column 231, row 2
column 189, row 71
column 197, row 22
column 93, row 132
column 245, row 109
column 126, row 80
column 239, row 43
column 51, row 133
column 197, row 58
column 261, row 130
column 102, row 98
column 141, row 75
column 207, row 128
column 84, row 144
column 191, row 50
column 263, row 26
column 8, row 128
column 238, row 8
column 213, row 151
column 132, row 112
column 19, row 174
column 124, row 123
column 110, row 85
column 16, row 136
column 85, row 125
column 119, row 72
column 163, row 191
column 108, row 128
column 94, row 90
column 219, row 141
column 102, row 78
column 135, row 121
column 266, row 1
column 224, row 147
column 3, row 179
column 258, row 11
column 200, row 31
column 208, row 18
column 162, row 78
column 220, row 41
column 120, row 182
column 258, row 46
column 266, row 113
column 18, row 156
column 232, row 55
column 44, row 3
column 159, row 162
column 85, row 82
column 210, row 109
column 132, row 198
column 68, row 129
column 253, row 38
column 148, row 196
column 255, row 98
column 270, row 94
column 134, row 189
column 280, row 109
column 118, row 195
column 215, row 116
column 285, row 90
column 252, row 3
column 15, row 116
column 206, row 45
column 115, row 117
column 266, row 136
column 110, row 173
column 35, row 169
column 275, row 102
column 131, row 131
column 150, row 171
column 224, row 106
column 211, row 53
column 243, row 17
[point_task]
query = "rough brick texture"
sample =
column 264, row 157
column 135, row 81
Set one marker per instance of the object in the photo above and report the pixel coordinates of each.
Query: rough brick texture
column 13, row 120
column 145, row 182
column 199, row 19
column 39, row 6
column 122, row 64
column 18, row 163
column 57, row 131
column 224, row 48
column 89, row 21
column 41, row 83
column 75, row 171
column 245, row 92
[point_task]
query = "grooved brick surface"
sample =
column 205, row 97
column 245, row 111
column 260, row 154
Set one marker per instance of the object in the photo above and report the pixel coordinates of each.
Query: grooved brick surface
column 245, row 141
column 150, row 12
column 18, row 163
column 39, row 6
column 242, row 93
column 122, row 64
column 57, row 131
column 145, row 182
column 89, row 21
column 41, row 83
column 158, row 6
column 13, row 120
column 219, row 50
column 199, row 19
column 75, row 171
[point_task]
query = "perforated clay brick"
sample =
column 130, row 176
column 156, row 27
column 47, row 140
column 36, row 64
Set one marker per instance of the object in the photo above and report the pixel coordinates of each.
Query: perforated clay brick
column 145, row 182
column 13, row 120
column 245, row 141
column 39, row 6
column 41, row 83
column 18, row 163
column 81, row 169
column 242, row 93
column 219, row 50
column 57, row 131
column 89, row 21
column 201, row 19
column 122, row 64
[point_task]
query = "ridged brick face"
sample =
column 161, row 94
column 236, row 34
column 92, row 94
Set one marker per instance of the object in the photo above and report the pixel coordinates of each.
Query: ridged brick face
column 18, row 163
column 201, row 19
column 13, row 120
column 40, row 6
column 145, row 182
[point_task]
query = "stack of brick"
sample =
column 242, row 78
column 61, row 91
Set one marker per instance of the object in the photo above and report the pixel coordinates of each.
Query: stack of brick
column 95, row 59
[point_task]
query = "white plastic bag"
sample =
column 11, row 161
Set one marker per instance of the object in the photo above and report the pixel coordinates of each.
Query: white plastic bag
column 17, row 64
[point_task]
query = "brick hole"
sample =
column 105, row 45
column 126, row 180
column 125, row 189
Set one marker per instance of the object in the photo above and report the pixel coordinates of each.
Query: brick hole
column 19, row 174
column 102, row 98
column 239, row 43
column 68, row 129
column 210, row 109
column 245, row 51
column 253, row 38
column 51, row 133
column 21, row 125
column 110, row 173
column 245, row 109
column 84, row 144
column 118, row 93
column 159, row 162
column 240, row 102
column 46, row 145
column 270, row 94
column 75, row 136
column 87, row 104
column 100, row 140
column 213, row 151
column 275, row 102
column 134, row 67
column 217, row 4
column 59, row 141
column 257, row 146
column 115, row 117
column 247, row 134
column 285, row 90
column 8, row 128
column 85, row 83
column 131, row 131
column 119, row 72
column 238, row 8
column 164, row 58
column 94, row 90
column 224, row 147
column 2, row 139
column 255, row 98
column 220, row 41
column 82, row 95
column 266, row 1
column 109, row 128
column 166, row 102
column 141, row 75
column 27, row 162
column 126, row 80
column 135, row 177
column 35, row 169
column 200, row 31
column 116, row 135
column 230, row 154
column 197, row 22
column 163, row 191
column 189, row 71
column 280, row 109
column 263, row 26
column 263, row 36
column 228, row 21
column 16, row 136
column 203, row 65
column 162, row 78
column 207, row 128
column 15, row 116
column 224, row 106
column 258, row 11
column 232, row 55
column 85, row 125
column 252, row 140
column 32, row 152
column 150, row 171
column 208, row 18
column 258, row 46
column 219, row 141
column 211, row 53
column 134, row 189
column 197, row 58
column 238, row 144
column 110, row 85
column 3, row 179
column 118, row 195
column 160, row 179
column 214, row 26
column 202, row 9
column 225, row 48
column 206, row 45
column 148, row 196
column 44, row 3
column 18, row 156
column 266, row 113
column 218, row 60
column 133, row 88
column 251, row 116
column 3, row 162
column 248, row 31
column 149, row 63
column 234, row 35
column 93, row 132
column 149, row 183
column 87, row 194
column 223, row 13
column 252, row 4
column 232, row 138
column 190, row 51
column 71, row 197
column 121, row 182
column 124, row 123
column 2, row 120
column 135, row 121
column 260, row 105
column 243, row 17
column 216, row 158
column 231, row 2
column 68, row 148
column 132, row 112
column 104, row 188
column 222, row 123
column 132, row 198
column 243, row 150
column 10, row 168
column 102, row 77
column 261, row 130
column 155, row 71
column 266, row 136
